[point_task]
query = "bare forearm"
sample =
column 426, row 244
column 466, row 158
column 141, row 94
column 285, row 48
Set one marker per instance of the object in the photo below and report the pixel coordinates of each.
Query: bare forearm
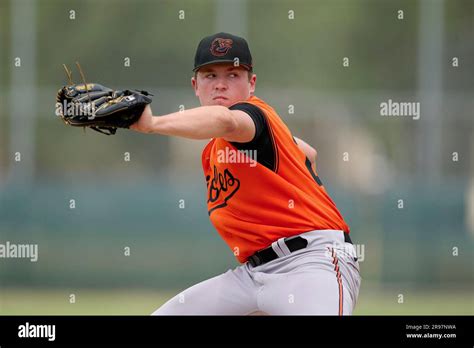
column 199, row 123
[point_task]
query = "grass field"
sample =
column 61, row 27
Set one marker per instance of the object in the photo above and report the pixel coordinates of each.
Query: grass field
column 372, row 301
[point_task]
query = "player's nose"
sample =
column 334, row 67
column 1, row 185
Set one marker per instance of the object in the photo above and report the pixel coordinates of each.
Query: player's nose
column 220, row 85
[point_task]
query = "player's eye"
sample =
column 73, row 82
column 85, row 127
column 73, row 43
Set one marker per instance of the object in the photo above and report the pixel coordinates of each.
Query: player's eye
column 210, row 75
column 233, row 75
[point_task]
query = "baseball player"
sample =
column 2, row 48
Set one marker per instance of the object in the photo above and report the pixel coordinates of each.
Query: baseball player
column 264, row 197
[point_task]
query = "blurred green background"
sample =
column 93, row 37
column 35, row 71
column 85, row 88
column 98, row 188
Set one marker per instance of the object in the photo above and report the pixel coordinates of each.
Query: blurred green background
column 423, row 251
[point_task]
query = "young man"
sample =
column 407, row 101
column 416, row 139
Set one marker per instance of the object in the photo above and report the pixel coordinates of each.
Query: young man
column 264, row 198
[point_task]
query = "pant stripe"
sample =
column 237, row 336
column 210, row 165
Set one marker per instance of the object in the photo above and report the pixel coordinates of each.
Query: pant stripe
column 335, row 262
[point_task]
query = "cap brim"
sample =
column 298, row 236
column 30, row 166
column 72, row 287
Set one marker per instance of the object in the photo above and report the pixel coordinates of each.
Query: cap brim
column 220, row 61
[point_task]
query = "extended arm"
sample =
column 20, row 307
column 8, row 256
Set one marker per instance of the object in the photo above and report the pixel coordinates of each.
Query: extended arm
column 206, row 122
column 203, row 122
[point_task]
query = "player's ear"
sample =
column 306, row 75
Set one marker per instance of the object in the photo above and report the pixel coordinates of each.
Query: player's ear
column 195, row 86
column 253, row 83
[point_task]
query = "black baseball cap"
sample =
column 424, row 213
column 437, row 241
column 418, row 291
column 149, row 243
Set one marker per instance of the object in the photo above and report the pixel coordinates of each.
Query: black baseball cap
column 222, row 48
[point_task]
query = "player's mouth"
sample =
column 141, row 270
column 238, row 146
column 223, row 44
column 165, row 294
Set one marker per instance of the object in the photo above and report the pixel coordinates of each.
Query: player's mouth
column 219, row 97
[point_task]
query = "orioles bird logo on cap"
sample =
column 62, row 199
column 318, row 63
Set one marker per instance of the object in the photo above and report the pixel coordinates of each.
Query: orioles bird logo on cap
column 220, row 47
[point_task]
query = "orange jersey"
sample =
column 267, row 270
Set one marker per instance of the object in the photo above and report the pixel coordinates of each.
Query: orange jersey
column 251, row 204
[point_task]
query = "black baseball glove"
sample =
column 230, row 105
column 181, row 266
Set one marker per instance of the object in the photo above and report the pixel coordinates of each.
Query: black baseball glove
column 100, row 108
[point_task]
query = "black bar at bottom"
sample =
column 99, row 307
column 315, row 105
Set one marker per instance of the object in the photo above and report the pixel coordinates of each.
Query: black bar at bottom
column 291, row 330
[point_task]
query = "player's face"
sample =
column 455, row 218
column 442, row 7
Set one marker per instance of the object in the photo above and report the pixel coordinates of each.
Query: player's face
column 223, row 84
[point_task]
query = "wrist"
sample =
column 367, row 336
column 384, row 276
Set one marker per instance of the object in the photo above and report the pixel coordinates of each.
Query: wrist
column 152, row 126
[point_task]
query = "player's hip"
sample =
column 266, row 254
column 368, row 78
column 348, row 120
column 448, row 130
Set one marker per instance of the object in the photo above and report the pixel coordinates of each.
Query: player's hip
column 316, row 247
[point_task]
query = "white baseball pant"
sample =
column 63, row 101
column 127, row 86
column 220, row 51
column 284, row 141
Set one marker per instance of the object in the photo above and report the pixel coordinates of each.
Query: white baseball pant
column 321, row 279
